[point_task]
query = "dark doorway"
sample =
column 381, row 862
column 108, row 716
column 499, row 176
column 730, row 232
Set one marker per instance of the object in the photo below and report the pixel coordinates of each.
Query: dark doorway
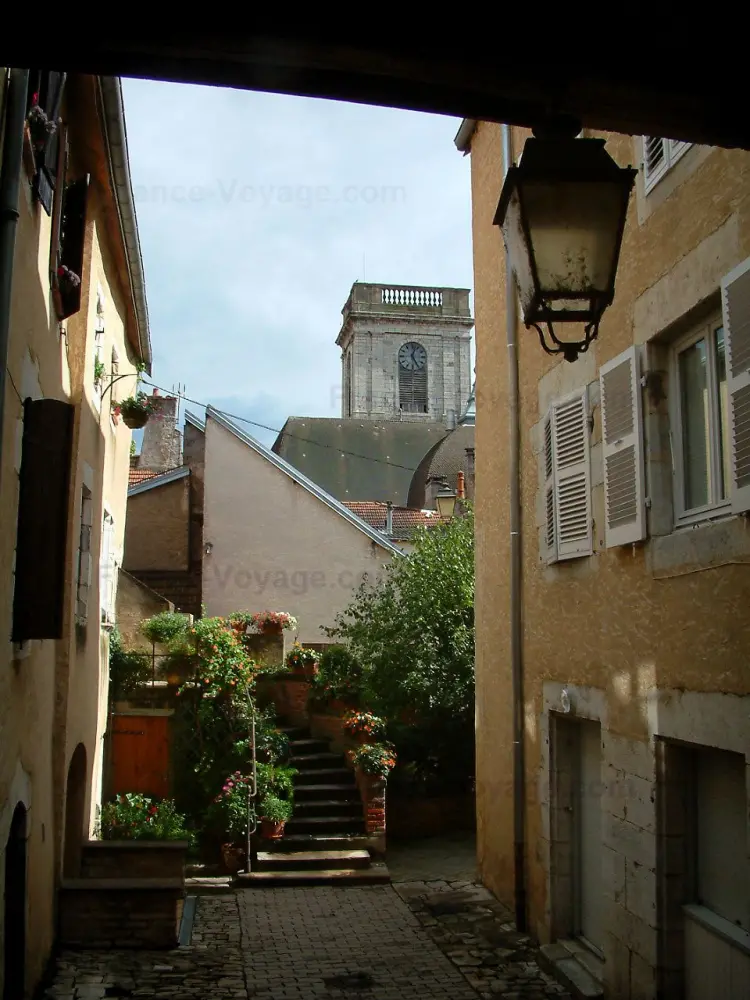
column 75, row 805
column 15, row 907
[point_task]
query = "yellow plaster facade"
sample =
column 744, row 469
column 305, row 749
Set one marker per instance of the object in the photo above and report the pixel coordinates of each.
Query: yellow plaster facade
column 53, row 693
column 627, row 630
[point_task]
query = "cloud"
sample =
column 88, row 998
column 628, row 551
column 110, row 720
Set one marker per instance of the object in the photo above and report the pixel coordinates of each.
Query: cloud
column 258, row 211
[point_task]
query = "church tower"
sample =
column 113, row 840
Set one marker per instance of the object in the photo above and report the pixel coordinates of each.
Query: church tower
column 405, row 353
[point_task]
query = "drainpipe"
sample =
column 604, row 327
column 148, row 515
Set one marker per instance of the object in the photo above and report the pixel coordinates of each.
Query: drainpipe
column 516, row 622
column 389, row 519
column 10, row 187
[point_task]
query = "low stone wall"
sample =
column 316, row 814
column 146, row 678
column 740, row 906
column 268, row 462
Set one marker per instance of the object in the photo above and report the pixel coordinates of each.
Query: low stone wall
column 133, row 859
column 414, row 817
column 120, row 913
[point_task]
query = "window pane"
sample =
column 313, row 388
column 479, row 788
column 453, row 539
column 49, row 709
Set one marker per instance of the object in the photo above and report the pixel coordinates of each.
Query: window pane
column 695, row 425
column 723, row 402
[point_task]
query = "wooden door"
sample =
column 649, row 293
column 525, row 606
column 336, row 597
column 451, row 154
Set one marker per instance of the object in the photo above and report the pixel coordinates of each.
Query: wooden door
column 140, row 754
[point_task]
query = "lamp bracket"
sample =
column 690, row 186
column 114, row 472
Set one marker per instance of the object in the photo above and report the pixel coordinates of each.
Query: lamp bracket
column 569, row 349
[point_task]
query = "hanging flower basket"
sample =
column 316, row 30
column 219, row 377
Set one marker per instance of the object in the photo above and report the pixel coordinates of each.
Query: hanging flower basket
column 40, row 127
column 135, row 410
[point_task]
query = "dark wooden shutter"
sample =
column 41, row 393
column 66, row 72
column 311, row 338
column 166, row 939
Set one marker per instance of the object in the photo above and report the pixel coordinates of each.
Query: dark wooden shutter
column 72, row 238
column 38, row 600
column 50, row 100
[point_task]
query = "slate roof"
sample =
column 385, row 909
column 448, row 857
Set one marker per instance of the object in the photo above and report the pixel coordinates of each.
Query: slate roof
column 354, row 459
column 445, row 459
column 405, row 519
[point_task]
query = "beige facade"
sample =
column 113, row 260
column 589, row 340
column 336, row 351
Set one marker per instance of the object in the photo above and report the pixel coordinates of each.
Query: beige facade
column 636, row 639
column 53, row 691
column 274, row 540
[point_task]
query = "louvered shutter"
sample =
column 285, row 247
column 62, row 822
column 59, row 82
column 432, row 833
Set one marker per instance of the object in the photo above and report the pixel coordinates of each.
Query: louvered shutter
column 549, row 546
column 735, row 301
column 655, row 158
column 622, row 434
column 570, row 436
column 72, row 239
column 84, row 555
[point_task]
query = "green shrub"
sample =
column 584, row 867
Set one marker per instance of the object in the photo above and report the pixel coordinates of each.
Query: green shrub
column 132, row 816
column 275, row 809
column 128, row 669
column 165, row 627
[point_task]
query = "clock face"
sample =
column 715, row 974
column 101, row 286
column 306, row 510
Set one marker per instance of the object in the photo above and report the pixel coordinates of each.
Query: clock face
column 412, row 356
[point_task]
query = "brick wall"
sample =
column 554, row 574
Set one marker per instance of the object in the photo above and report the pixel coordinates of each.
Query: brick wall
column 157, row 530
column 120, row 913
column 181, row 587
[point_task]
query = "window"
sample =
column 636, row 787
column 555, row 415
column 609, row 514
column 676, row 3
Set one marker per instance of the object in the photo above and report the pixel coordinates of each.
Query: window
column 84, row 557
column 107, row 570
column 720, row 831
column 659, row 155
column 700, row 421
column 567, row 492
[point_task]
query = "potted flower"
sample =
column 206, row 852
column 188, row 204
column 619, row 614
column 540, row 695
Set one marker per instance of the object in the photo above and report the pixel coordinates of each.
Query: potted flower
column 228, row 814
column 363, row 726
column 135, row 410
column 40, row 126
column 273, row 622
column 374, row 762
column 133, row 816
column 302, row 661
column 274, row 813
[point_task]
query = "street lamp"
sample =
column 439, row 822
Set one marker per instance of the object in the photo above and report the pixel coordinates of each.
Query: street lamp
column 562, row 214
column 446, row 501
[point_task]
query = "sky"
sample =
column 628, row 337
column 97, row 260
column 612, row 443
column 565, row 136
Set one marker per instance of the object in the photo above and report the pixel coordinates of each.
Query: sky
column 256, row 214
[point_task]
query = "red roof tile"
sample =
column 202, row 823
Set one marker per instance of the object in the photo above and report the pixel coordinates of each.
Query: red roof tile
column 405, row 519
column 140, row 476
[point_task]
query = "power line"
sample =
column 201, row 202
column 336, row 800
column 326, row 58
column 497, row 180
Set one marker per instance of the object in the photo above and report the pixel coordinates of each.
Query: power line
column 297, row 437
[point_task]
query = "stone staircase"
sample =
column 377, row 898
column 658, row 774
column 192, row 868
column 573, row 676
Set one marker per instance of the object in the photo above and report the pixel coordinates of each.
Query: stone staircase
column 324, row 842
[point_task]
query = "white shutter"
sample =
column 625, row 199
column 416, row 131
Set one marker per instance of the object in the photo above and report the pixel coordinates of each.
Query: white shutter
column 105, row 568
column 570, row 438
column 549, row 544
column 735, row 302
column 84, row 555
column 655, row 159
column 622, row 436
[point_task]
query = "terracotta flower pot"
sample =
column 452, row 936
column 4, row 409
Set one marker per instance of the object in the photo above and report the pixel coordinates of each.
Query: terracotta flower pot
column 232, row 858
column 271, row 830
column 271, row 628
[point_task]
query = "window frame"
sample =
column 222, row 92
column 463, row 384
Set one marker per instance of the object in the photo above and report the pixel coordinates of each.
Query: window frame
column 672, row 151
column 715, row 508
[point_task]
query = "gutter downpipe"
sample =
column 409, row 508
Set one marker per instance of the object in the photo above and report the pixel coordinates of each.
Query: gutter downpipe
column 516, row 619
column 10, row 188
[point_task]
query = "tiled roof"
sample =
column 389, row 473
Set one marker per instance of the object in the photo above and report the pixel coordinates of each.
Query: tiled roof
column 140, row 476
column 405, row 519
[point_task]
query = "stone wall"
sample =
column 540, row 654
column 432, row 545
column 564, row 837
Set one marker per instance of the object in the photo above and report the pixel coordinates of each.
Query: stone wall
column 157, row 533
column 120, row 913
column 133, row 859
column 135, row 603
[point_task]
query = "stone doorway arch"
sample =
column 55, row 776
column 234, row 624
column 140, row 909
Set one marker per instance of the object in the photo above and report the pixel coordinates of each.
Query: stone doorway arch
column 75, row 806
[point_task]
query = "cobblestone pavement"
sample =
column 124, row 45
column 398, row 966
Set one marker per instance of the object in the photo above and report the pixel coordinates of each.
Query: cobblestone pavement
column 423, row 938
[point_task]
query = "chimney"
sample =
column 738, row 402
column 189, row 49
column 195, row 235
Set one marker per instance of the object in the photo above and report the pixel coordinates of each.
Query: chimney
column 158, row 449
column 470, row 473
column 389, row 519
column 460, row 487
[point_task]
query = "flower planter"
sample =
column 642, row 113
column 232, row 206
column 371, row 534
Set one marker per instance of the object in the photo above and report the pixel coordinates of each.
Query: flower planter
column 232, row 858
column 271, row 628
column 270, row 830
column 306, row 670
column 134, row 420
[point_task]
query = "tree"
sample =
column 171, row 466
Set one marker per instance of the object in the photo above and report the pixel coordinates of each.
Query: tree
column 413, row 633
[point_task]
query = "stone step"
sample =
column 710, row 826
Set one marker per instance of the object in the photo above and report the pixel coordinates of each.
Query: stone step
column 559, row 961
column 310, row 761
column 320, row 842
column 339, row 791
column 304, row 860
column 327, row 807
column 307, row 746
column 376, row 873
column 295, row 732
column 319, row 774
column 325, row 824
